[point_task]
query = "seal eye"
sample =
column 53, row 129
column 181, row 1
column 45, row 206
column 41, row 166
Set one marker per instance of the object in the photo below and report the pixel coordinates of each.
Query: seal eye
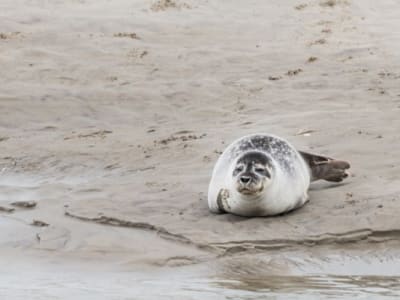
column 239, row 169
column 263, row 171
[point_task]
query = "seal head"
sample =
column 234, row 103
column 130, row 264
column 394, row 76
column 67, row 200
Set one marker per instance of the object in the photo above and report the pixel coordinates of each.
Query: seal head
column 252, row 173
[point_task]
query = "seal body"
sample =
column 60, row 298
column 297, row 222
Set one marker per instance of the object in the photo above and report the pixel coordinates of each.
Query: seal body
column 259, row 175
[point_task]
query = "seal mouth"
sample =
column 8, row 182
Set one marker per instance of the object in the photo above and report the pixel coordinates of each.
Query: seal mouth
column 247, row 191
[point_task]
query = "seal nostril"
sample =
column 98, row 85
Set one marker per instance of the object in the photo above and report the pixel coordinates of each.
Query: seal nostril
column 244, row 179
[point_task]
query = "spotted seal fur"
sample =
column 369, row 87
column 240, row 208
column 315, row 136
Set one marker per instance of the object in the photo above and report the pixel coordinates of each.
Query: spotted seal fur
column 264, row 175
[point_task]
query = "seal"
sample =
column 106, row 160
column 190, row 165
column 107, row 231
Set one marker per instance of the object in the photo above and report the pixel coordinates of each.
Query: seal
column 264, row 175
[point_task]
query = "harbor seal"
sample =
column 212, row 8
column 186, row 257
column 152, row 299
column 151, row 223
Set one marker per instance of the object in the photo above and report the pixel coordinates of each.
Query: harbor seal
column 264, row 175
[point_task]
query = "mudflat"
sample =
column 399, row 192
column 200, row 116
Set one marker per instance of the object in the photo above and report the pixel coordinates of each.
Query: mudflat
column 113, row 114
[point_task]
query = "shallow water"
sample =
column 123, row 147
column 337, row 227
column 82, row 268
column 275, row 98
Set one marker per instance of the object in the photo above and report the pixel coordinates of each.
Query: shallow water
column 52, row 281
column 71, row 285
column 359, row 287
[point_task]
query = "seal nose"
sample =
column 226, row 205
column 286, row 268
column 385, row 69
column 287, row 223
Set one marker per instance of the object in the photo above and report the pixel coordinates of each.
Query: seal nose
column 245, row 179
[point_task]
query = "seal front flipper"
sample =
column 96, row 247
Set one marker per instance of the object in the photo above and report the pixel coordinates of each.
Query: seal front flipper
column 222, row 201
column 325, row 168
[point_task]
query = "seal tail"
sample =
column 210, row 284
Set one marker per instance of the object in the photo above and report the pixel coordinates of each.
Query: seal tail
column 325, row 168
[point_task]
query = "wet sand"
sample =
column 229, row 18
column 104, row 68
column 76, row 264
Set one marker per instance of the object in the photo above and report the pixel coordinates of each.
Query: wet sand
column 114, row 113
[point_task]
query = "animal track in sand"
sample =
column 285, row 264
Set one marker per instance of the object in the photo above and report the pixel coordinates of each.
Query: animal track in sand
column 326, row 30
column 333, row 3
column 328, row 3
column 131, row 35
column 301, row 6
column 289, row 73
column 324, row 22
column 6, row 209
column 380, row 90
column 293, row 72
column 24, row 204
column 312, row 59
column 183, row 138
column 386, row 74
column 10, row 35
column 137, row 53
column 39, row 223
column 318, row 42
column 239, row 106
column 100, row 133
column 273, row 78
column 162, row 5
column 347, row 58
column 112, row 78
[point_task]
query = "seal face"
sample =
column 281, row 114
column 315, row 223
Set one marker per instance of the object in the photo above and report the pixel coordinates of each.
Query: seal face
column 252, row 173
column 258, row 175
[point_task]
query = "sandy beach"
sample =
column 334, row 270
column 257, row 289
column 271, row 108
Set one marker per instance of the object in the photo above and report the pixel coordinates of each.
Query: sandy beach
column 113, row 114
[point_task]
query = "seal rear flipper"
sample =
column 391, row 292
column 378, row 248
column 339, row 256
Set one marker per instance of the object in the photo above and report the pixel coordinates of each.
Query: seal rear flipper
column 325, row 168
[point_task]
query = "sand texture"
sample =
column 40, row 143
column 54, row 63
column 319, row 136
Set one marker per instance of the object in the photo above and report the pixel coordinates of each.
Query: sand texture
column 113, row 114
